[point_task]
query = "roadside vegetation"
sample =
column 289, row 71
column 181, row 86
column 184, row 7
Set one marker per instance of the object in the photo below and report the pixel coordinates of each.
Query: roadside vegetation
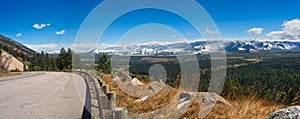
column 244, row 108
column 8, row 73
column 61, row 62
column 256, row 84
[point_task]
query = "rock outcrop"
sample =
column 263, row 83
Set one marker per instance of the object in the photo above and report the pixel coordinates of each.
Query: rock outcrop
column 288, row 113
column 9, row 63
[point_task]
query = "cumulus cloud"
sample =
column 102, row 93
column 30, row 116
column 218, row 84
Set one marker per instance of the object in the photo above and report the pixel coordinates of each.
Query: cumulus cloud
column 18, row 34
column 290, row 31
column 255, row 31
column 62, row 32
column 40, row 26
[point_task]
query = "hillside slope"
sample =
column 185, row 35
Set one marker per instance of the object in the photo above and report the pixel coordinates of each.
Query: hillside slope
column 6, row 43
column 16, row 49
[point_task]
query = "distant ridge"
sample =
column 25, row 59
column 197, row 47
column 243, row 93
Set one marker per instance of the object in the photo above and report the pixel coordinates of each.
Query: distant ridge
column 13, row 47
column 200, row 47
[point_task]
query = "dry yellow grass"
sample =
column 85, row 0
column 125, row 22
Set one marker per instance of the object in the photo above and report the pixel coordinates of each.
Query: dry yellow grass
column 155, row 102
column 9, row 73
column 247, row 108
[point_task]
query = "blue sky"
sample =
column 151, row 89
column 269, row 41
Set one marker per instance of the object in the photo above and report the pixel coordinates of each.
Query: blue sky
column 61, row 19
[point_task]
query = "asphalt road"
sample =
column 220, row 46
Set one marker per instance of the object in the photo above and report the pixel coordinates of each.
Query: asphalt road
column 42, row 95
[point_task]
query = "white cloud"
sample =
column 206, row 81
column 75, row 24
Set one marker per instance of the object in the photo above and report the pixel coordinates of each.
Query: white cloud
column 174, row 36
column 189, row 33
column 62, row 32
column 18, row 34
column 211, row 32
column 41, row 46
column 255, row 31
column 40, row 26
column 290, row 31
column 50, row 48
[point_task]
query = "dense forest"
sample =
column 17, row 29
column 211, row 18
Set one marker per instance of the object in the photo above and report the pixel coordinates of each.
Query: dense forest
column 45, row 62
column 271, row 76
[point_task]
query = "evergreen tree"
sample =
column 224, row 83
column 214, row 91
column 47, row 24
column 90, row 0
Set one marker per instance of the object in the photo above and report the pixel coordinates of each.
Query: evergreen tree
column 61, row 59
column 104, row 63
column 68, row 59
column 48, row 62
column 54, row 66
column 43, row 62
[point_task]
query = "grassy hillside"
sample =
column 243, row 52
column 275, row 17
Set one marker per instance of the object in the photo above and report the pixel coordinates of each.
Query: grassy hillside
column 244, row 108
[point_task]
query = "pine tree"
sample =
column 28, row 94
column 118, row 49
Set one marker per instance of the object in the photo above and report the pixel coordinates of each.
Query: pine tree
column 54, row 66
column 68, row 59
column 48, row 62
column 43, row 62
column 104, row 63
column 61, row 61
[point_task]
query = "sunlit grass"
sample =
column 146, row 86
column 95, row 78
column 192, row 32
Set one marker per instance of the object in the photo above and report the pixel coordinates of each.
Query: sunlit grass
column 246, row 108
column 9, row 73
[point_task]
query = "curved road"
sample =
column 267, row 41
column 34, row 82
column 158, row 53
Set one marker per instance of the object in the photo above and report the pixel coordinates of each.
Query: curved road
column 42, row 95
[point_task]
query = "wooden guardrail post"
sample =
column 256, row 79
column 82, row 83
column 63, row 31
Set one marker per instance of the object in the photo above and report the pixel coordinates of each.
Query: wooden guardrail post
column 101, row 83
column 121, row 113
column 112, row 100
column 104, row 99
column 105, row 89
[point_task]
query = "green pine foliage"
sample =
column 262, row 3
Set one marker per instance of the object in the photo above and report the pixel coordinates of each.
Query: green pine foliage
column 45, row 62
column 103, row 63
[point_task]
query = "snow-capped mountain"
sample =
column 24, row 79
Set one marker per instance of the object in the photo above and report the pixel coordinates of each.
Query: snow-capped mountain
column 155, row 49
column 257, row 46
column 198, row 47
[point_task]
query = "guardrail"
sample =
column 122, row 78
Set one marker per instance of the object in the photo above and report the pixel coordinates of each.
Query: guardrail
column 103, row 101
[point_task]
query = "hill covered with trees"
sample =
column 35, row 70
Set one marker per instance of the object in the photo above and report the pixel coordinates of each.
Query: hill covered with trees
column 35, row 61
column 16, row 49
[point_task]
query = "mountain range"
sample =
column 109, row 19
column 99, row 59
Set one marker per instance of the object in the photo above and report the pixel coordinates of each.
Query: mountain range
column 161, row 48
column 200, row 47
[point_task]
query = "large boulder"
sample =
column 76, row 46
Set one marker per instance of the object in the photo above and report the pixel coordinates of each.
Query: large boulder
column 156, row 86
column 288, row 113
column 9, row 63
column 136, row 82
